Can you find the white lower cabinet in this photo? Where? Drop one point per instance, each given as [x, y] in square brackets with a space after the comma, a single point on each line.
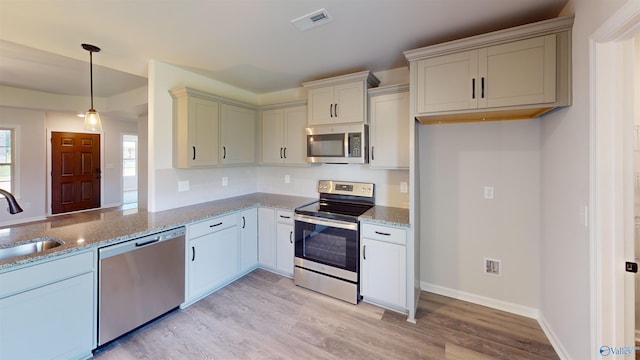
[383, 275]
[48, 310]
[276, 240]
[248, 239]
[284, 242]
[213, 257]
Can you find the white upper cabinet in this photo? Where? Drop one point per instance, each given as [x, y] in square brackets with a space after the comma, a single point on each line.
[209, 130]
[237, 135]
[340, 99]
[389, 127]
[515, 73]
[283, 136]
[195, 129]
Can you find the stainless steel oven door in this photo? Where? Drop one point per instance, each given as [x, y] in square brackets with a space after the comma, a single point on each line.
[327, 241]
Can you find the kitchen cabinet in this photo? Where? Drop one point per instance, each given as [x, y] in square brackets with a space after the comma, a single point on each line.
[383, 276]
[237, 135]
[340, 99]
[276, 240]
[284, 242]
[212, 255]
[267, 238]
[248, 240]
[195, 129]
[283, 136]
[389, 127]
[48, 310]
[509, 74]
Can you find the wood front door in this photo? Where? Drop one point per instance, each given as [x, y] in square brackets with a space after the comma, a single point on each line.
[75, 171]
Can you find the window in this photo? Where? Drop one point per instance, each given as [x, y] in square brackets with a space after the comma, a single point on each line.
[129, 156]
[7, 171]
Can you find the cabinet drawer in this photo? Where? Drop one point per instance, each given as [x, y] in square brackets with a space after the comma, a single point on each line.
[384, 233]
[211, 225]
[284, 217]
[31, 277]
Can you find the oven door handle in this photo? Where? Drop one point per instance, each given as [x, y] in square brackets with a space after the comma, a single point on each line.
[333, 223]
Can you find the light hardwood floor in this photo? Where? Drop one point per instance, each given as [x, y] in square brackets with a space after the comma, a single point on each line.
[265, 316]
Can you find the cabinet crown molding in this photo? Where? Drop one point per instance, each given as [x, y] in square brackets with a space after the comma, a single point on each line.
[540, 28]
[367, 76]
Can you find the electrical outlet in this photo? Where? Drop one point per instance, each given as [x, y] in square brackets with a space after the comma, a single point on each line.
[492, 267]
[225, 181]
[287, 179]
[489, 192]
[404, 187]
[183, 185]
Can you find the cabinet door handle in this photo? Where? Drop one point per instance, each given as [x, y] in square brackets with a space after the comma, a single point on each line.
[335, 110]
[331, 110]
[281, 153]
[372, 153]
[291, 237]
[482, 86]
[194, 153]
[244, 222]
[473, 88]
[285, 153]
[193, 253]
[214, 225]
[224, 152]
[364, 252]
[382, 233]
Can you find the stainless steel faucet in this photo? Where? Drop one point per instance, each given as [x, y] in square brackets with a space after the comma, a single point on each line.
[13, 208]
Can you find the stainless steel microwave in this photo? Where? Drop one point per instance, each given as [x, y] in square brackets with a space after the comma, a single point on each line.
[338, 144]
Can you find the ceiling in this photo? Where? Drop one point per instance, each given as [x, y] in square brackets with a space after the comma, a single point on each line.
[250, 44]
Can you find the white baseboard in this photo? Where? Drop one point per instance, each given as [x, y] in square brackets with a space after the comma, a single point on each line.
[482, 300]
[553, 339]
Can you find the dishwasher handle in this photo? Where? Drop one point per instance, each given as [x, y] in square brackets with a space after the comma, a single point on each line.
[140, 242]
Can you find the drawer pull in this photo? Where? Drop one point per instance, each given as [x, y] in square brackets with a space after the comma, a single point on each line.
[382, 233]
[291, 237]
[214, 225]
[285, 217]
[364, 252]
[193, 251]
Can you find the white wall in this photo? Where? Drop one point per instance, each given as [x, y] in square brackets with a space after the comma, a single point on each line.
[460, 228]
[565, 271]
[31, 164]
[304, 181]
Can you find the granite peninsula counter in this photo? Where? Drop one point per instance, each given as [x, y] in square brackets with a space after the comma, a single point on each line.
[97, 228]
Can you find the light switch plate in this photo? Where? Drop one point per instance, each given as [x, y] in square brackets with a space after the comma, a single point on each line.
[287, 179]
[225, 181]
[489, 192]
[404, 187]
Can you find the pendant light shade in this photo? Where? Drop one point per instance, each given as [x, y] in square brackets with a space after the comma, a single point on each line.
[92, 118]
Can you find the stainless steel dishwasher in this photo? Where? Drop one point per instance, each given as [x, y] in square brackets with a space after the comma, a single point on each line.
[139, 280]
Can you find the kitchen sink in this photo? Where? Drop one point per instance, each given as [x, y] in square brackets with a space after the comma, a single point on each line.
[30, 247]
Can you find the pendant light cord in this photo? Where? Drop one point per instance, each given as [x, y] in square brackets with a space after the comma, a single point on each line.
[91, 75]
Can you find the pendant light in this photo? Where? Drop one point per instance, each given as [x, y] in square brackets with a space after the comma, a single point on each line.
[92, 118]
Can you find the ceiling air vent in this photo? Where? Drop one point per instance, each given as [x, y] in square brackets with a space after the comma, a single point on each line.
[312, 20]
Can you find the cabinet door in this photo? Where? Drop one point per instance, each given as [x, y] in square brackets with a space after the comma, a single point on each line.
[519, 73]
[203, 132]
[50, 322]
[320, 102]
[272, 136]
[213, 260]
[238, 135]
[383, 276]
[295, 152]
[349, 103]
[248, 239]
[447, 83]
[284, 245]
[389, 131]
[267, 237]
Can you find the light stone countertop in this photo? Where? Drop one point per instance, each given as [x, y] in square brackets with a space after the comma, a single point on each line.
[93, 229]
[386, 215]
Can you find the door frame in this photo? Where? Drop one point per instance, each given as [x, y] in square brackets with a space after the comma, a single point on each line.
[49, 211]
[611, 107]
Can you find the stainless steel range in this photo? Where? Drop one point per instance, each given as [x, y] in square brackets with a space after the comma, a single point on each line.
[327, 239]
